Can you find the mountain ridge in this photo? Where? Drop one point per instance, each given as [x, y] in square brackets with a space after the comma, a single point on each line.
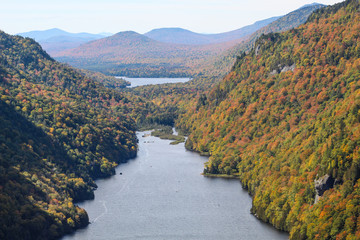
[165, 59]
[133, 54]
[56, 40]
[222, 64]
[184, 36]
[41, 35]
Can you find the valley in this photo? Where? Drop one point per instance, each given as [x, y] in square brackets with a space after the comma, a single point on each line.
[162, 191]
[277, 108]
[164, 52]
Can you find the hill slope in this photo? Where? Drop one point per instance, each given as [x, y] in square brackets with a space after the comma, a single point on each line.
[132, 54]
[222, 63]
[59, 131]
[287, 22]
[28, 184]
[286, 121]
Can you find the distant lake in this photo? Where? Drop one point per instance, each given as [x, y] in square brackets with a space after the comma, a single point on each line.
[161, 195]
[135, 82]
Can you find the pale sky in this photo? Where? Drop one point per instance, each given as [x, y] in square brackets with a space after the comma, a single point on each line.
[95, 16]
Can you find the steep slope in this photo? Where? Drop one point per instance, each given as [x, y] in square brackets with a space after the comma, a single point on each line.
[35, 200]
[287, 22]
[67, 130]
[286, 121]
[132, 54]
[241, 32]
[183, 36]
[221, 64]
[57, 40]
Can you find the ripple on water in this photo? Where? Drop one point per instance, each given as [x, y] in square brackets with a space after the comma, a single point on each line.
[161, 195]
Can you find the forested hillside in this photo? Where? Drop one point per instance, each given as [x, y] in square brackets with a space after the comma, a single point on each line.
[287, 22]
[211, 71]
[35, 193]
[59, 131]
[108, 81]
[221, 64]
[134, 55]
[286, 121]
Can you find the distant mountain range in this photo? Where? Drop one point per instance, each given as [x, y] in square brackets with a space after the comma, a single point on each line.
[166, 52]
[162, 52]
[183, 36]
[45, 35]
[132, 54]
[57, 40]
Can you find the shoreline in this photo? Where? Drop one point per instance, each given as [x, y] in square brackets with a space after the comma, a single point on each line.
[210, 175]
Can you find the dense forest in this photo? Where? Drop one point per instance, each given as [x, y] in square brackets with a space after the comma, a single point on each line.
[286, 122]
[108, 81]
[221, 64]
[60, 130]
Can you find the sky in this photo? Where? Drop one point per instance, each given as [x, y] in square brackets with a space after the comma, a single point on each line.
[112, 16]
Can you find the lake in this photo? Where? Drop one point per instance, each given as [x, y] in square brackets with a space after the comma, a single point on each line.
[135, 82]
[162, 195]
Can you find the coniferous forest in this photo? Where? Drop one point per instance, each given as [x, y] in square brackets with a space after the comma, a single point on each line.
[285, 121]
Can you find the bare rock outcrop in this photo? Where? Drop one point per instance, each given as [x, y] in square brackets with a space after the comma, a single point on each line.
[322, 184]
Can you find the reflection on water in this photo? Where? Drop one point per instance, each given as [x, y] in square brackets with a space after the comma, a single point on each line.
[161, 195]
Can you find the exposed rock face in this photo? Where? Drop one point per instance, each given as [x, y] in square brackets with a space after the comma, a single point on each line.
[288, 68]
[257, 49]
[273, 72]
[282, 69]
[322, 184]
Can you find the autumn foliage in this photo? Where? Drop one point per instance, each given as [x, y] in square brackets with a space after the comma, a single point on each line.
[287, 114]
[59, 131]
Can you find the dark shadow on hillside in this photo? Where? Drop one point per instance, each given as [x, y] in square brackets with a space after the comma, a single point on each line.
[30, 166]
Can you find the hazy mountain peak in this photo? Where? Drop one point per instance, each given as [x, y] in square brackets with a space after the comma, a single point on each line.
[56, 40]
[170, 29]
[312, 5]
[128, 36]
[40, 35]
[183, 36]
[133, 33]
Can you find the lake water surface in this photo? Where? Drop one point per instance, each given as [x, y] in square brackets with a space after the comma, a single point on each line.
[135, 82]
[161, 195]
